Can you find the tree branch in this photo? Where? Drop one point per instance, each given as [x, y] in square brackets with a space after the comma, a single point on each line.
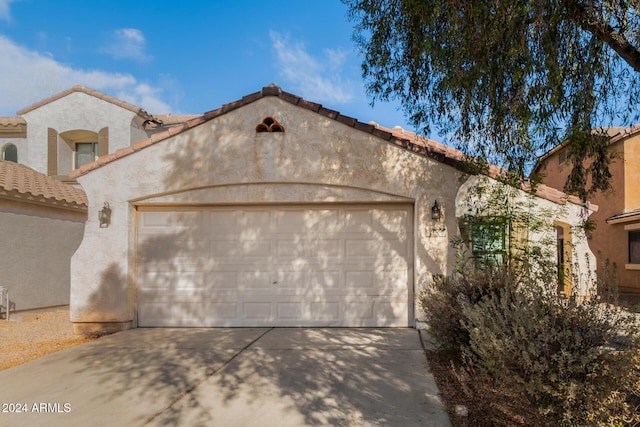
[588, 21]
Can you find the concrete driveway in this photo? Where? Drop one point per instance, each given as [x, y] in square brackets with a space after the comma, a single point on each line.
[228, 377]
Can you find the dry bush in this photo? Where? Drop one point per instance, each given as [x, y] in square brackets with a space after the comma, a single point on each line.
[444, 301]
[577, 362]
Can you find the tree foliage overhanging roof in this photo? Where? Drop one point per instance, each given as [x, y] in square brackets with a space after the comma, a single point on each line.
[508, 79]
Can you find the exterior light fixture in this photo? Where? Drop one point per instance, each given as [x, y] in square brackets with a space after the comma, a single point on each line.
[104, 216]
[436, 211]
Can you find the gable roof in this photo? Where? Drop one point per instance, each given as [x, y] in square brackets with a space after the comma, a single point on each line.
[615, 133]
[398, 136]
[82, 89]
[21, 182]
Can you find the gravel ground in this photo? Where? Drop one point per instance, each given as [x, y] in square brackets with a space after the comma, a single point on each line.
[36, 335]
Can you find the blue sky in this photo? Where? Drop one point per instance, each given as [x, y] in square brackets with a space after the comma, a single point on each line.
[183, 57]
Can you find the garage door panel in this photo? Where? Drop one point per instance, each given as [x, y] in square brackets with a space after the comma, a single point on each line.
[307, 221]
[282, 266]
[225, 248]
[290, 249]
[256, 221]
[254, 280]
[308, 311]
[224, 280]
[360, 310]
[325, 248]
[360, 280]
[328, 280]
[189, 313]
[260, 311]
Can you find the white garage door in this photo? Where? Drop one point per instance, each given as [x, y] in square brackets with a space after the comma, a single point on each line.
[275, 266]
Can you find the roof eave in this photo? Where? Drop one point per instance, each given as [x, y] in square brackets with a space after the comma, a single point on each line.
[43, 201]
[623, 218]
[404, 139]
[91, 92]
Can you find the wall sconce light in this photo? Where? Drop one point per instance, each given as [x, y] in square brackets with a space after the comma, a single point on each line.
[104, 216]
[436, 211]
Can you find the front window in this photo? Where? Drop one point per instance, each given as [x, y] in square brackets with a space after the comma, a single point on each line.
[86, 152]
[634, 247]
[488, 236]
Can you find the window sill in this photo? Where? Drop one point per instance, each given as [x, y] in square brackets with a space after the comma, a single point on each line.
[632, 266]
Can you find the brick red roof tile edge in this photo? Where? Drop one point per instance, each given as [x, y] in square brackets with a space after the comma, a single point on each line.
[397, 136]
[21, 180]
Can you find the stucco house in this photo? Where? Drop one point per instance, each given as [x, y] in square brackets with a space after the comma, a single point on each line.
[275, 211]
[41, 218]
[41, 226]
[616, 238]
[74, 127]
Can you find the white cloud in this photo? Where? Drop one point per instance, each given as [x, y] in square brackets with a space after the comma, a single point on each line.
[31, 76]
[127, 43]
[4, 9]
[143, 94]
[317, 79]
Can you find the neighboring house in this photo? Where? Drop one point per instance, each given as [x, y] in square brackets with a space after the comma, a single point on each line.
[42, 219]
[74, 127]
[275, 211]
[41, 225]
[616, 239]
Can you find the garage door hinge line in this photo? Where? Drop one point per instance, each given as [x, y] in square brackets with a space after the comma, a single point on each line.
[191, 389]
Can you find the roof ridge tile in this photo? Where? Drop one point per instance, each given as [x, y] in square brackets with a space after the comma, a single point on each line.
[401, 137]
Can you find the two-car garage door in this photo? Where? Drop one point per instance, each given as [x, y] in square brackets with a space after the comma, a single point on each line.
[333, 265]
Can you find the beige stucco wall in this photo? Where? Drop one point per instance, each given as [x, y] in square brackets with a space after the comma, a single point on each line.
[40, 241]
[632, 173]
[77, 110]
[19, 142]
[224, 160]
[545, 215]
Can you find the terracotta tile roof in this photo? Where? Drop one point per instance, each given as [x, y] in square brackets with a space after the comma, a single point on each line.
[398, 136]
[91, 92]
[615, 133]
[13, 127]
[12, 122]
[174, 119]
[21, 182]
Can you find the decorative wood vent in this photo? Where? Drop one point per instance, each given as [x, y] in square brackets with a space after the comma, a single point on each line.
[269, 124]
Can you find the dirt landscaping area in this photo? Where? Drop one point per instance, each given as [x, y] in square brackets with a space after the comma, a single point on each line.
[32, 336]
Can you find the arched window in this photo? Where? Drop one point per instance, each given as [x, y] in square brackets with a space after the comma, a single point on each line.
[10, 153]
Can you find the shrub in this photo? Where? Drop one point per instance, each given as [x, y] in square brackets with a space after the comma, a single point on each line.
[444, 300]
[577, 362]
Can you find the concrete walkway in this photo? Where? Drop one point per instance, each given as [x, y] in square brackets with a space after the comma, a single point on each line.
[228, 377]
